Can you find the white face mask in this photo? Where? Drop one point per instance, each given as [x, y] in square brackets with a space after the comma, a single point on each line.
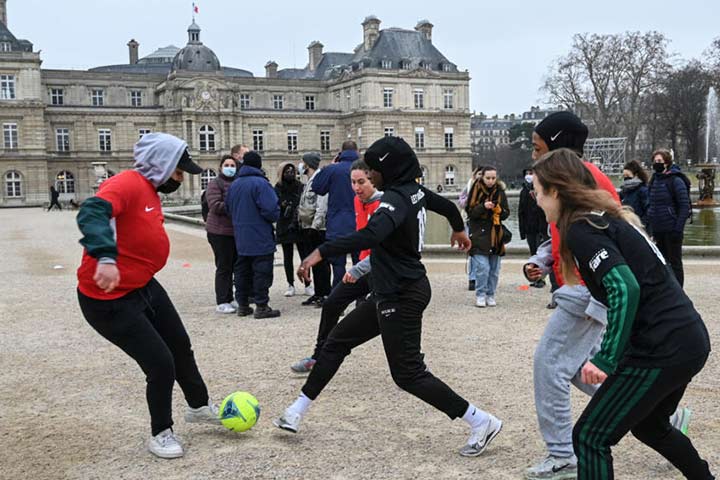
[301, 168]
[528, 178]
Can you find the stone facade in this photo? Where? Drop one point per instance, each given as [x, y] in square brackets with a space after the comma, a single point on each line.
[68, 120]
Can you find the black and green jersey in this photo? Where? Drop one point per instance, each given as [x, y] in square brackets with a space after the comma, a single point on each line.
[651, 321]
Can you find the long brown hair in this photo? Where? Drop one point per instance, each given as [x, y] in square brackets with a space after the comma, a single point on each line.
[637, 170]
[564, 172]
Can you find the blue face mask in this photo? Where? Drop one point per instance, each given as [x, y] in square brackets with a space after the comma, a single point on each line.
[228, 171]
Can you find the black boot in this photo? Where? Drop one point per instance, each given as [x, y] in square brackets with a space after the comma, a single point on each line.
[264, 311]
[244, 310]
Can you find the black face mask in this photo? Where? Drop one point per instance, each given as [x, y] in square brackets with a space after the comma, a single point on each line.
[169, 187]
[659, 167]
[627, 178]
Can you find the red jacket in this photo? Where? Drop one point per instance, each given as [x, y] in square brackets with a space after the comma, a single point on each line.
[603, 182]
[362, 215]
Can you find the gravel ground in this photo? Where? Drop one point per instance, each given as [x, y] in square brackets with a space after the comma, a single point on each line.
[73, 406]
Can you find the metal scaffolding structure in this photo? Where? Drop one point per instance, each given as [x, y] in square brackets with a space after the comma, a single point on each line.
[606, 153]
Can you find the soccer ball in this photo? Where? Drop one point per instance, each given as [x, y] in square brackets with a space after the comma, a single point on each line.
[239, 411]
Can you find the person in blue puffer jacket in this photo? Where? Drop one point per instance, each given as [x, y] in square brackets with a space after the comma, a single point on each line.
[334, 180]
[669, 209]
[253, 206]
[634, 191]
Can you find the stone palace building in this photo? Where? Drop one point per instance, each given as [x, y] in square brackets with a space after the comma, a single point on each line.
[70, 127]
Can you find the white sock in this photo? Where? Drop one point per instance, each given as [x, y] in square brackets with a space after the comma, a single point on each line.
[300, 405]
[475, 417]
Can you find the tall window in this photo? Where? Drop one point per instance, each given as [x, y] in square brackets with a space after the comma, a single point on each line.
[448, 98]
[405, 64]
[325, 140]
[309, 102]
[5, 47]
[386, 64]
[292, 138]
[419, 95]
[105, 139]
[244, 101]
[7, 87]
[207, 176]
[207, 138]
[57, 96]
[62, 139]
[446, 67]
[424, 177]
[449, 175]
[136, 98]
[13, 184]
[389, 131]
[258, 140]
[98, 98]
[419, 137]
[427, 66]
[10, 136]
[387, 97]
[449, 137]
[65, 182]
[142, 132]
[278, 102]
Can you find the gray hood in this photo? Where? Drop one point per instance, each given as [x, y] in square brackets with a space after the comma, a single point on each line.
[157, 156]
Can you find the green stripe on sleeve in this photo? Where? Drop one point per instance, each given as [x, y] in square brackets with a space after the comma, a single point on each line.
[623, 296]
[93, 219]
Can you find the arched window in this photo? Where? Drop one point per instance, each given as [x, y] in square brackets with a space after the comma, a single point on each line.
[13, 184]
[424, 177]
[65, 182]
[206, 177]
[207, 138]
[449, 175]
[108, 173]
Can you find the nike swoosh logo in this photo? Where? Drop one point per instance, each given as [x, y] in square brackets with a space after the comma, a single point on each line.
[557, 469]
[552, 139]
[149, 209]
[384, 157]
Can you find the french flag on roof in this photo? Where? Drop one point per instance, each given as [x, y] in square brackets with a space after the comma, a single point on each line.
[196, 9]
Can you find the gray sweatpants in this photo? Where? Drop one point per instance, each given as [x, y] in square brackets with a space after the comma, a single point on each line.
[572, 336]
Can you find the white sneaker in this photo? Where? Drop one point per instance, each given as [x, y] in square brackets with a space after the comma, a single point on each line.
[165, 445]
[290, 292]
[225, 308]
[289, 421]
[309, 291]
[491, 302]
[207, 414]
[234, 304]
[480, 438]
[553, 468]
[480, 301]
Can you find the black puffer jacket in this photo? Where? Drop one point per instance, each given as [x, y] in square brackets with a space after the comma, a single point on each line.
[531, 217]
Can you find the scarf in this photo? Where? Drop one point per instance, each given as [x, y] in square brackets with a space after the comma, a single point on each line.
[479, 194]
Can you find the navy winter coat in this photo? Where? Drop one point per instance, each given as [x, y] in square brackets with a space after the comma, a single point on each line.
[638, 198]
[335, 181]
[669, 202]
[253, 205]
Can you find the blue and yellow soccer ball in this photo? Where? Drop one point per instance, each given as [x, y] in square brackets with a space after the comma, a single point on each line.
[239, 411]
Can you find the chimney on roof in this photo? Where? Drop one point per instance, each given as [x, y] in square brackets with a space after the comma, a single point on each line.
[271, 69]
[371, 31]
[315, 52]
[133, 51]
[425, 27]
[3, 11]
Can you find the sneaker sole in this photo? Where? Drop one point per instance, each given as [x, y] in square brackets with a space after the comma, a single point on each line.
[284, 427]
[487, 443]
[166, 456]
[556, 476]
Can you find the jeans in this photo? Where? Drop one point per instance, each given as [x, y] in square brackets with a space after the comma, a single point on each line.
[223, 247]
[146, 326]
[398, 321]
[253, 278]
[487, 274]
[670, 245]
[338, 266]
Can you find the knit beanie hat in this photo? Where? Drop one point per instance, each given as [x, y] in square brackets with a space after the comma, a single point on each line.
[252, 159]
[312, 160]
[563, 130]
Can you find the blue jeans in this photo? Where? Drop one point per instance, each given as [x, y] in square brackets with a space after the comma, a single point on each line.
[486, 269]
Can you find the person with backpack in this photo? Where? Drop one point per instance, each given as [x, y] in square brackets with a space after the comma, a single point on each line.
[670, 208]
[220, 234]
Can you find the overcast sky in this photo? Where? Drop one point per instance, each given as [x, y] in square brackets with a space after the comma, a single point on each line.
[506, 45]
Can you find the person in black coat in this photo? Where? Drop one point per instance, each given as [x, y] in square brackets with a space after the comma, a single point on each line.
[289, 189]
[54, 197]
[531, 219]
[634, 191]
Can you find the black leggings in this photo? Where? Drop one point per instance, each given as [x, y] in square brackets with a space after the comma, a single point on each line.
[399, 323]
[146, 326]
[225, 252]
[637, 400]
[670, 245]
[288, 252]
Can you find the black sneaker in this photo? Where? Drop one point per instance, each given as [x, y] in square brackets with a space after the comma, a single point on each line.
[319, 301]
[471, 285]
[244, 310]
[264, 311]
[539, 284]
[310, 300]
[552, 305]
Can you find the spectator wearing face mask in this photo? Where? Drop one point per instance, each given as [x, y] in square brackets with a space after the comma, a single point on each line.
[634, 190]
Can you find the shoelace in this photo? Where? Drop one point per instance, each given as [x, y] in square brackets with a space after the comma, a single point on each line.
[166, 439]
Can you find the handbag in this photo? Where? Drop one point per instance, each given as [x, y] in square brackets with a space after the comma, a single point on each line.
[507, 234]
